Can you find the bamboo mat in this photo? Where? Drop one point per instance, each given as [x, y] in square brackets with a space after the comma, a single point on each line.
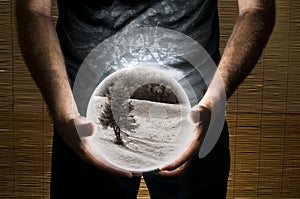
[263, 116]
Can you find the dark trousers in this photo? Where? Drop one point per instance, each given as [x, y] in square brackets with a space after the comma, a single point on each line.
[205, 178]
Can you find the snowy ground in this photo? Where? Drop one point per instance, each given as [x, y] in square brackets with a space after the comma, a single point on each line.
[162, 134]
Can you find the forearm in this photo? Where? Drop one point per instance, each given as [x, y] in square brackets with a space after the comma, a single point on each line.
[43, 56]
[244, 47]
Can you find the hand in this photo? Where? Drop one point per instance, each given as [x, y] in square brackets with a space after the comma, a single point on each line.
[75, 133]
[200, 116]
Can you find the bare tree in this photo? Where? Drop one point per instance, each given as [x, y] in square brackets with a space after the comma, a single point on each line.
[120, 117]
[107, 120]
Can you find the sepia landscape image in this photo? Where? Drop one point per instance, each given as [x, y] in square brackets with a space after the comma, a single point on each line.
[141, 119]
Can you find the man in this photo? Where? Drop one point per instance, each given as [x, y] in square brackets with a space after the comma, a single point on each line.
[53, 58]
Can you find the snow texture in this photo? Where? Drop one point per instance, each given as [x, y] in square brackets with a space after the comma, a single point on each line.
[162, 133]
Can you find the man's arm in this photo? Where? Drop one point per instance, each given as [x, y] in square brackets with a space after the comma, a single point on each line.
[42, 53]
[43, 56]
[250, 34]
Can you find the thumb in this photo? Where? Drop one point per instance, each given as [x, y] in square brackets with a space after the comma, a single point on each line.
[84, 128]
[194, 115]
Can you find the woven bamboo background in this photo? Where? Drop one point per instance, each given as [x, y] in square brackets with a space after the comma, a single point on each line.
[263, 116]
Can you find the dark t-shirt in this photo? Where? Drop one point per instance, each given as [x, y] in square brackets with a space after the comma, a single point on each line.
[83, 24]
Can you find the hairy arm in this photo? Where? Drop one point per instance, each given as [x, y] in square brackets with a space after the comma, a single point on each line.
[250, 34]
[41, 51]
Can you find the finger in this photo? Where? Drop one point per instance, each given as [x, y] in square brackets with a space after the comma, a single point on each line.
[171, 173]
[194, 115]
[84, 128]
[199, 114]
